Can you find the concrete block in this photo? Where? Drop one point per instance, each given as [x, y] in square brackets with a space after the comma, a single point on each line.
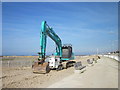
[80, 71]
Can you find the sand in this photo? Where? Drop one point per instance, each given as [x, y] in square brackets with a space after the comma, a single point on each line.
[103, 74]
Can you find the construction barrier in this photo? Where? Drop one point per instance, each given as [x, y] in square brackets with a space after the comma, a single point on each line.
[113, 57]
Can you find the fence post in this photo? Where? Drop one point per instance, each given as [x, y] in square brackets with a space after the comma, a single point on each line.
[8, 63]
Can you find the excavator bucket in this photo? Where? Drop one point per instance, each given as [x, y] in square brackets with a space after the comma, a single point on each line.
[41, 68]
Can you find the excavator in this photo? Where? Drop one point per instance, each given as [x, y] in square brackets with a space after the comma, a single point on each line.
[61, 59]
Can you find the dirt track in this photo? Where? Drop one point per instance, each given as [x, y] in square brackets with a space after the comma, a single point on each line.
[103, 74]
[22, 77]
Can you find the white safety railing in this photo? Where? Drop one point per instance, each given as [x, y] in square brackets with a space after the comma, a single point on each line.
[113, 57]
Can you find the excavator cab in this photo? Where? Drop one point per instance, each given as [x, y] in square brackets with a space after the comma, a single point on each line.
[56, 62]
[67, 53]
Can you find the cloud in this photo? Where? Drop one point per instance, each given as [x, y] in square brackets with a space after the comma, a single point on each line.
[112, 32]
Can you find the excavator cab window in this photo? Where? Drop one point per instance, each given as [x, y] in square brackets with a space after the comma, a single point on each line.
[66, 51]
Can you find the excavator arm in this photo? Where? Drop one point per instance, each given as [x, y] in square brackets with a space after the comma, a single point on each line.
[47, 31]
[41, 66]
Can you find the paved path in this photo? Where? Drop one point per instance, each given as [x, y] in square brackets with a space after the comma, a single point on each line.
[103, 74]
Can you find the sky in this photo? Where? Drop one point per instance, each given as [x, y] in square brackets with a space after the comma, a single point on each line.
[88, 26]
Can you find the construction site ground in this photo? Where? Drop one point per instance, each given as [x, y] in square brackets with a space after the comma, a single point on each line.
[103, 74]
